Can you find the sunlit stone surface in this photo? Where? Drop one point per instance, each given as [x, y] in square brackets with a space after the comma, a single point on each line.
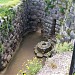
[57, 65]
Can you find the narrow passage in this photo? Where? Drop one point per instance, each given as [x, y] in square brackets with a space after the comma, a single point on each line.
[25, 52]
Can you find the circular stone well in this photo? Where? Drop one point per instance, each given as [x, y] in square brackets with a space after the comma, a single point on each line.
[43, 48]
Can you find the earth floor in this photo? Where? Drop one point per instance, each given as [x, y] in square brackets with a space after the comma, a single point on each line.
[26, 51]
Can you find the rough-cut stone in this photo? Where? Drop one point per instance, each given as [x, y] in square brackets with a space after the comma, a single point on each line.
[5, 57]
[5, 64]
[47, 54]
[39, 55]
[36, 51]
[8, 58]
[31, 13]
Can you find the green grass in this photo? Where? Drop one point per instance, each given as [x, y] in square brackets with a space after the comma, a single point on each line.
[4, 1]
[6, 4]
[63, 47]
[9, 2]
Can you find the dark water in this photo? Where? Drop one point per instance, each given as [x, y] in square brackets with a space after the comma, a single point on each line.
[26, 51]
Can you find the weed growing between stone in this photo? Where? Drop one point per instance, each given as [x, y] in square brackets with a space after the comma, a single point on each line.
[1, 48]
[8, 10]
[6, 26]
[7, 15]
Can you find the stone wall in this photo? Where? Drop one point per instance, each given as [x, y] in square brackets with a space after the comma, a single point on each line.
[50, 21]
[35, 13]
[20, 28]
[30, 15]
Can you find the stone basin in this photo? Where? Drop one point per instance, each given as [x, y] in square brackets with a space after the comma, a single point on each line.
[44, 47]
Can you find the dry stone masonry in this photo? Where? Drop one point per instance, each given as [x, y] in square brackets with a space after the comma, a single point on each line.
[31, 14]
[50, 19]
[9, 42]
[19, 28]
[56, 19]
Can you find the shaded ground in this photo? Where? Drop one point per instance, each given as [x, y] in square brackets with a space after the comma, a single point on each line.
[25, 52]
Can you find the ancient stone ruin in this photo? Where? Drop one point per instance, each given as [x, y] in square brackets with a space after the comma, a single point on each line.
[43, 49]
[30, 15]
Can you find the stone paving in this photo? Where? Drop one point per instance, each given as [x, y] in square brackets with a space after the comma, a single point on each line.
[57, 65]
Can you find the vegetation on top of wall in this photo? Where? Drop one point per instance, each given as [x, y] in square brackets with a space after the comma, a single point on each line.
[7, 15]
[63, 47]
[68, 4]
[6, 18]
[49, 5]
[9, 2]
[1, 47]
[6, 5]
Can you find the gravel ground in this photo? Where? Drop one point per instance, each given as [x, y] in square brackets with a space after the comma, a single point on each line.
[57, 65]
